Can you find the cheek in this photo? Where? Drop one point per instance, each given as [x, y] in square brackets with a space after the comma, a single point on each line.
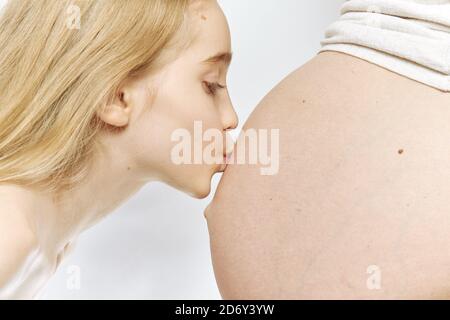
[167, 115]
[173, 108]
[156, 151]
[195, 107]
[152, 141]
[184, 100]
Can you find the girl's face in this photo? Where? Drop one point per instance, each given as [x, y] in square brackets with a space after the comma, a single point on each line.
[186, 93]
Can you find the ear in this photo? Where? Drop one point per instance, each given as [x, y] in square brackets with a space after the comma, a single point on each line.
[118, 111]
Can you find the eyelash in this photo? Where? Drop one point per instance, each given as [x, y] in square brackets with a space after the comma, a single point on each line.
[212, 88]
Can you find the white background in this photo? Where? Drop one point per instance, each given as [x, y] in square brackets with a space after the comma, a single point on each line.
[156, 246]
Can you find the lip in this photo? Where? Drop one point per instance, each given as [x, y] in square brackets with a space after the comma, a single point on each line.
[224, 164]
[222, 167]
[226, 160]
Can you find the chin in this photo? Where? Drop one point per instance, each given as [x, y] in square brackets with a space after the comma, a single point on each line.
[202, 189]
[201, 195]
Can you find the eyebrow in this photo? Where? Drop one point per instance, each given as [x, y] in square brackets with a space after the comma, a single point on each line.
[224, 57]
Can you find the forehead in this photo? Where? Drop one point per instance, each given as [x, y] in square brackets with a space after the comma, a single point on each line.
[207, 27]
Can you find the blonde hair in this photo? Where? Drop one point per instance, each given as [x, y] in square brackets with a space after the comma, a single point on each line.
[53, 77]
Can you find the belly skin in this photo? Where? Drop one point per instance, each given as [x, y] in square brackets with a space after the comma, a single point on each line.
[360, 207]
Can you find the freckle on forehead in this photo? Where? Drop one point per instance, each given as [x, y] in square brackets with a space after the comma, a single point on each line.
[198, 7]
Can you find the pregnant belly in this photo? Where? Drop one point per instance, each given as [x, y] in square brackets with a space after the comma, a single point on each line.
[359, 207]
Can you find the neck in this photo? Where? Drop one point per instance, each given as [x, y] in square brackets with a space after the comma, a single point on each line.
[110, 181]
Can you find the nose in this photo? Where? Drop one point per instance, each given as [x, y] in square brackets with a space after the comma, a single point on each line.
[229, 117]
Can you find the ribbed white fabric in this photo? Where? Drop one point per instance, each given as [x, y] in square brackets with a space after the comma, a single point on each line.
[409, 37]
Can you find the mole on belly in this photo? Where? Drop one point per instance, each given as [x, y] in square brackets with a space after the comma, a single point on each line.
[400, 151]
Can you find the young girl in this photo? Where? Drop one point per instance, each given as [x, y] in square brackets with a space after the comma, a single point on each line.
[92, 92]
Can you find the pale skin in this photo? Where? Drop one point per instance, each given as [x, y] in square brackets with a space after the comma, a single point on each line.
[362, 193]
[37, 228]
[363, 180]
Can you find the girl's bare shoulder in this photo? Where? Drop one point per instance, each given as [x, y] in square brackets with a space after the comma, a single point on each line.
[18, 241]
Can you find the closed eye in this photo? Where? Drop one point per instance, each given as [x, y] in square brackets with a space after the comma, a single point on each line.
[211, 88]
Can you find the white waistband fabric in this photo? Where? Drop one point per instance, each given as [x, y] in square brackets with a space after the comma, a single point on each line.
[409, 37]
